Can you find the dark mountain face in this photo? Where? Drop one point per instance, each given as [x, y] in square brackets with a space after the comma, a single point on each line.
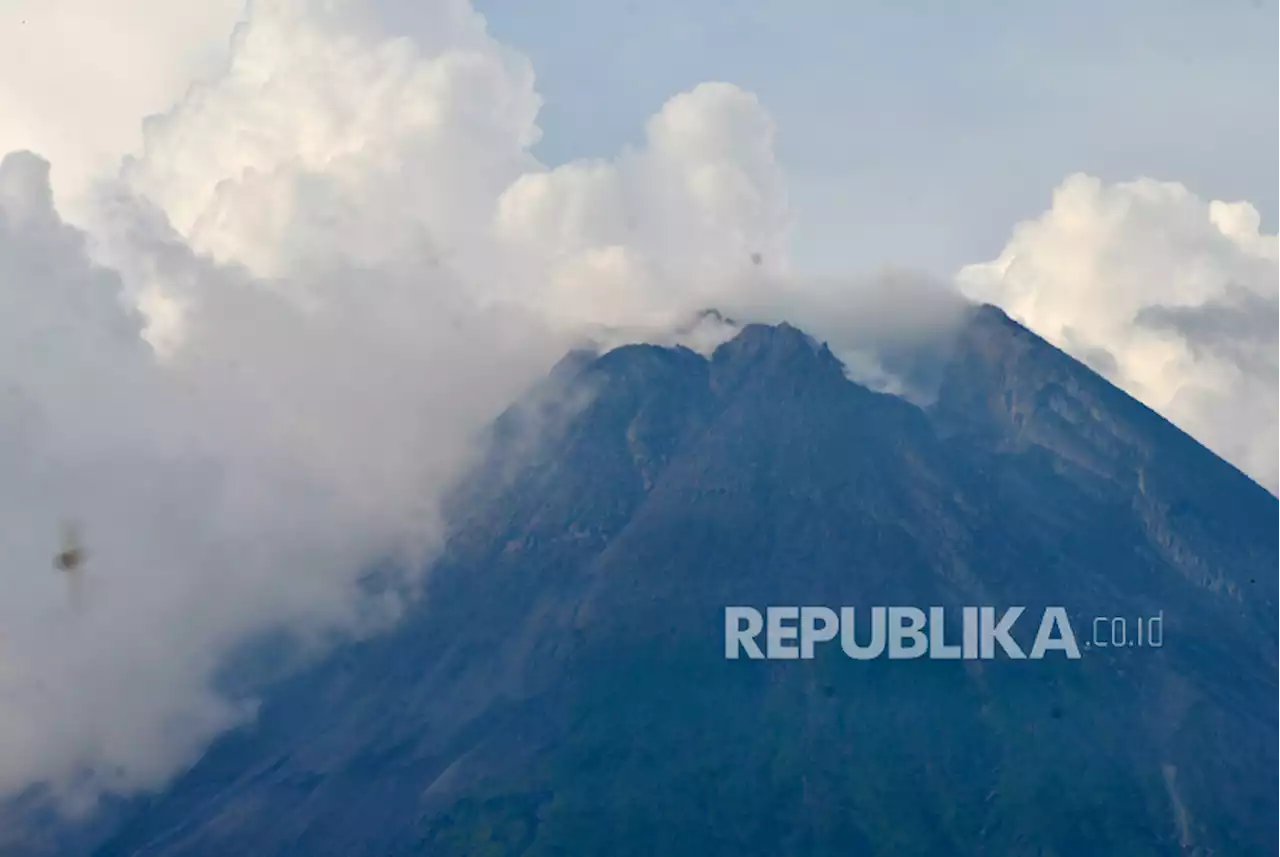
[562, 688]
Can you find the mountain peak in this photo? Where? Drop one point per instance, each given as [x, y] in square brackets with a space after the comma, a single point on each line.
[561, 688]
[768, 352]
[783, 334]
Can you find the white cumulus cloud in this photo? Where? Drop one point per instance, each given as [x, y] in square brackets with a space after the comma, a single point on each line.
[681, 224]
[249, 375]
[1171, 296]
[77, 77]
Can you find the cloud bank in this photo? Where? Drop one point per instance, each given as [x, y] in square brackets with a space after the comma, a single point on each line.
[254, 375]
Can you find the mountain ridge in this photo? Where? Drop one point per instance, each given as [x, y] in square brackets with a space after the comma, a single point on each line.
[561, 688]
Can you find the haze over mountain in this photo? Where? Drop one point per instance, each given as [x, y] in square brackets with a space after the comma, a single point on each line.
[561, 688]
[247, 344]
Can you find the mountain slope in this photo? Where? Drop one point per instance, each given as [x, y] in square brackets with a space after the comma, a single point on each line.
[562, 688]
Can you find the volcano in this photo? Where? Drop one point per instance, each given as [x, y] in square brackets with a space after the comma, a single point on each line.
[561, 686]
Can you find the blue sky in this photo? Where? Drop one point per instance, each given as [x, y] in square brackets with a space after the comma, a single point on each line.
[918, 134]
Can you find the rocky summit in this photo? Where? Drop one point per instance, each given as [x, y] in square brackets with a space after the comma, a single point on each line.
[561, 686]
